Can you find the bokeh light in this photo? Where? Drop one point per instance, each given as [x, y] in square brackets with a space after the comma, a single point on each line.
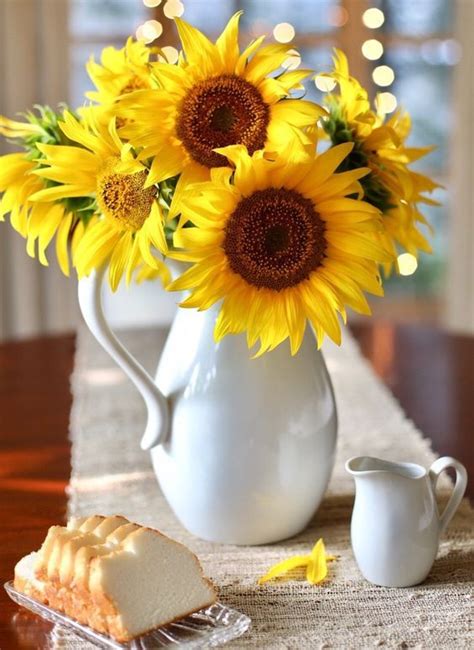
[338, 16]
[373, 18]
[150, 30]
[407, 264]
[284, 32]
[293, 61]
[451, 51]
[151, 3]
[139, 33]
[173, 9]
[170, 53]
[438, 52]
[431, 51]
[372, 49]
[325, 84]
[383, 75]
[386, 102]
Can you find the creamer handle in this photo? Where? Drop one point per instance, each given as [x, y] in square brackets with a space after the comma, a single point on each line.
[90, 302]
[459, 487]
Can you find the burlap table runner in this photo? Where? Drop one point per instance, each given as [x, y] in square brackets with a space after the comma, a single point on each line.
[110, 474]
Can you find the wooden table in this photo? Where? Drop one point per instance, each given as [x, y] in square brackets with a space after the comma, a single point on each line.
[429, 371]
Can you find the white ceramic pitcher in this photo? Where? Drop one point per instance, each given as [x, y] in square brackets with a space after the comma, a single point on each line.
[242, 448]
[396, 525]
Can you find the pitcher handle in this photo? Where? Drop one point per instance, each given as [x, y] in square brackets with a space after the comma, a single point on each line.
[90, 302]
[459, 487]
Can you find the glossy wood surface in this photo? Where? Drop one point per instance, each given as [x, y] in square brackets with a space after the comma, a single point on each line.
[430, 372]
[34, 465]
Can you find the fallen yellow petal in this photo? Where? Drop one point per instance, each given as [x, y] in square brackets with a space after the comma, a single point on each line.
[315, 563]
[285, 566]
[317, 567]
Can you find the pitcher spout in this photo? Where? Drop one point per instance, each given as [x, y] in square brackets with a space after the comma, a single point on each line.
[366, 465]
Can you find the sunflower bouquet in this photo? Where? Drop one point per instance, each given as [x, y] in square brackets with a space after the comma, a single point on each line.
[283, 212]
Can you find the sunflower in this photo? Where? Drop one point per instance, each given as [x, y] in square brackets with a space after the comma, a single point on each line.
[214, 97]
[38, 223]
[128, 219]
[379, 143]
[279, 243]
[120, 71]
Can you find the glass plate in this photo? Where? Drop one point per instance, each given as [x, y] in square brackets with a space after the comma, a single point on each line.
[213, 626]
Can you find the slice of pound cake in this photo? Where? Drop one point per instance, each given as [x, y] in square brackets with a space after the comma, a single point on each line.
[117, 577]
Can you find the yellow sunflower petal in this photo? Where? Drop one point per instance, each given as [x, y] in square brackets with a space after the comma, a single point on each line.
[298, 112]
[247, 53]
[95, 247]
[151, 273]
[266, 60]
[197, 273]
[296, 320]
[119, 259]
[134, 261]
[78, 132]
[284, 567]
[317, 568]
[154, 229]
[193, 237]
[62, 243]
[165, 165]
[228, 44]
[43, 222]
[197, 47]
[360, 244]
[13, 129]
[344, 182]
[191, 174]
[60, 192]
[77, 235]
[12, 167]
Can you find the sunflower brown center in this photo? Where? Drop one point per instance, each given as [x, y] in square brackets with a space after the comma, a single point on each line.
[122, 197]
[275, 239]
[221, 111]
[134, 83]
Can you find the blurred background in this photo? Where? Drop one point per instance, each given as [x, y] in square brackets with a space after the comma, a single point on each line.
[417, 53]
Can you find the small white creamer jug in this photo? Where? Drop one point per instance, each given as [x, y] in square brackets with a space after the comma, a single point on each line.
[396, 525]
